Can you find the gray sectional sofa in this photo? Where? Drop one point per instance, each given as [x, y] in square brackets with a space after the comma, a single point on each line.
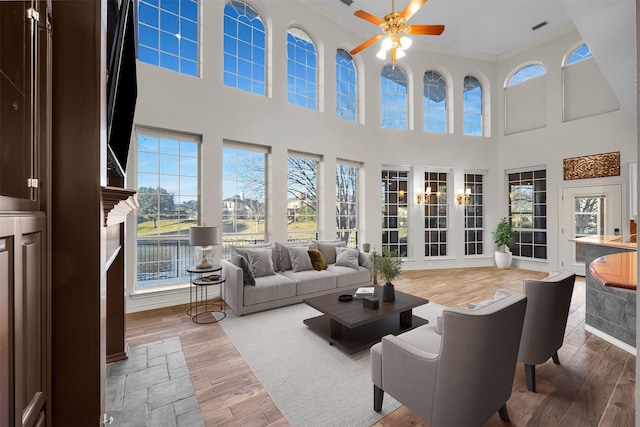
[255, 283]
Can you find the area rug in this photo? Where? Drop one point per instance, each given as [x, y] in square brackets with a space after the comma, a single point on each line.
[312, 383]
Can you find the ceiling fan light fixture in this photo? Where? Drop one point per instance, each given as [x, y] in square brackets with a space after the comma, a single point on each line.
[405, 42]
[400, 53]
[387, 44]
[382, 54]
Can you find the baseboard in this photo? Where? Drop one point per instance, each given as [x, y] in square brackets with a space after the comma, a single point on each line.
[623, 345]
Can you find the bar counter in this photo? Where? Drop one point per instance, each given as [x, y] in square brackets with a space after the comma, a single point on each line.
[616, 270]
[611, 310]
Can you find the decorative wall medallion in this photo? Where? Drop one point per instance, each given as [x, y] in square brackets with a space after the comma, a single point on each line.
[595, 166]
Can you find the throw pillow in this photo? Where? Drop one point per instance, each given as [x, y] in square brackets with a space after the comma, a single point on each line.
[242, 250]
[317, 260]
[260, 262]
[347, 257]
[282, 250]
[300, 260]
[247, 276]
[329, 250]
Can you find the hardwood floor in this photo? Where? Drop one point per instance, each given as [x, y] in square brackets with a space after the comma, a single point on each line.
[593, 386]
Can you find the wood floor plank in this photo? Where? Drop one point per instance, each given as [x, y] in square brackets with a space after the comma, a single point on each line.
[595, 383]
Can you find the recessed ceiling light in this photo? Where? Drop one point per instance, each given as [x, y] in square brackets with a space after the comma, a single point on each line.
[540, 25]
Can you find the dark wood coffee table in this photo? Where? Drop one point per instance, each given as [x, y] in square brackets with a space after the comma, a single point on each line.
[354, 327]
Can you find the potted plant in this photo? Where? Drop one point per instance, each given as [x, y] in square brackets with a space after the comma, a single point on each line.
[505, 237]
[388, 267]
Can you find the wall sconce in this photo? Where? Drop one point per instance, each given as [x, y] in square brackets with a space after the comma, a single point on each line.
[463, 197]
[423, 197]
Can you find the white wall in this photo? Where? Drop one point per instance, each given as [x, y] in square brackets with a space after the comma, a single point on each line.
[203, 106]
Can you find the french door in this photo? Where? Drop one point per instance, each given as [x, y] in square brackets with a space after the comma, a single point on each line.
[587, 211]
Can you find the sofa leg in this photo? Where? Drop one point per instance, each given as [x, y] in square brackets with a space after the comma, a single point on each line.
[555, 358]
[504, 415]
[530, 374]
[378, 395]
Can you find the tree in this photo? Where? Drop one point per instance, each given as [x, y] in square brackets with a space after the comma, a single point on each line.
[154, 203]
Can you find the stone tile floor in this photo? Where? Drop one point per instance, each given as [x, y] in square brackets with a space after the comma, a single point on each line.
[152, 388]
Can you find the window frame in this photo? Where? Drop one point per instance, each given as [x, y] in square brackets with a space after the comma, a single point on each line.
[395, 121]
[468, 112]
[293, 199]
[230, 71]
[395, 193]
[350, 94]
[428, 108]
[435, 212]
[532, 239]
[474, 230]
[258, 191]
[352, 207]
[164, 25]
[183, 258]
[300, 41]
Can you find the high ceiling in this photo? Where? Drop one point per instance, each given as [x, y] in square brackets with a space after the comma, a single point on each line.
[492, 27]
[500, 27]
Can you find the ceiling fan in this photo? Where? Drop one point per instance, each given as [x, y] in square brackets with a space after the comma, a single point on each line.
[394, 30]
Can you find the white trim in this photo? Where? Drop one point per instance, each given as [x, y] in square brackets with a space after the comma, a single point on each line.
[597, 332]
[238, 145]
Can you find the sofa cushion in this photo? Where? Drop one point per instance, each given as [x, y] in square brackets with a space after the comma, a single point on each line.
[300, 260]
[310, 281]
[269, 288]
[242, 250]
[347, 257]
[328, 250]
[347, 276]
[261, 262]
[282, 253]
[247, 276]
[317, 259]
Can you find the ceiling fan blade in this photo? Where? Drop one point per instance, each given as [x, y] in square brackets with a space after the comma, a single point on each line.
[425, 30]
[412, 8]
[366, 44]
[368, 17]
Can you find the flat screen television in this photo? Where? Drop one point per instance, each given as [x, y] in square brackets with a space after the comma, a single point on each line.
[122, 85]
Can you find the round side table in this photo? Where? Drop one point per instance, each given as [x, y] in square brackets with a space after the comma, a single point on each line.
[200, 309]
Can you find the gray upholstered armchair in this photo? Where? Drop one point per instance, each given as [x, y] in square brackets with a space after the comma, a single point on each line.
[548, 302]
[458, 374]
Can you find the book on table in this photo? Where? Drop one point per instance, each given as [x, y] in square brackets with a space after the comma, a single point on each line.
[364, 292]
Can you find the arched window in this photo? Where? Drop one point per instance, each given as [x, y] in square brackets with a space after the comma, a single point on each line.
[435, 102]
[168, 35]
[244, 48]
[472, 106]
[301, 69]
[582, 52]
[393, 102]
[346, 101]
[527, 72]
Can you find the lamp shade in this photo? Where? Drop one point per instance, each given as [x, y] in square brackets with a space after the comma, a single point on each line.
[204, 236]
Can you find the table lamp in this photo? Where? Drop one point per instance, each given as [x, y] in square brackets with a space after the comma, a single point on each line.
[203, 239]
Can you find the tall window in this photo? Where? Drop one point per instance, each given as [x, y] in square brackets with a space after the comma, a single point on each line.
[474, 215]
[243, 195]
[472, 105]
[527, 72]
[301, 69]
[347, 202]
[528, 212]
[346, 101]
[581, 53]
[395, 225]
[168, 34]
[244, 48]
[302, 196]
[393, 90]
[435, 102]
[435, 214]
[167, 176]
